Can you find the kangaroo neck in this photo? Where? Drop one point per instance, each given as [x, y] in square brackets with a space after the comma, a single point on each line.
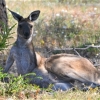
[24, 43]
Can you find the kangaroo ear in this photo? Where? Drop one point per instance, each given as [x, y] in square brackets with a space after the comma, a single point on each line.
[34, 15]
[16, 16]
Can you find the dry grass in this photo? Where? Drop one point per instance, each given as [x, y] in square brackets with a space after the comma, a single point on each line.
[59, 95]
[84, 17]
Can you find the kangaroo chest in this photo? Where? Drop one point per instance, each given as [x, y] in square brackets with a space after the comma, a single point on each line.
[24, 59]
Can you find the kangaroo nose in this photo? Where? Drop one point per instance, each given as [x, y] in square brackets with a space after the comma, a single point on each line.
[26, 34]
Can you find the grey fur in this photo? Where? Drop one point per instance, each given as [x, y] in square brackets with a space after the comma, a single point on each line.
[22, 52]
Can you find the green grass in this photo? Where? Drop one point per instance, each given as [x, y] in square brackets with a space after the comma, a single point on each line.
[18, 88]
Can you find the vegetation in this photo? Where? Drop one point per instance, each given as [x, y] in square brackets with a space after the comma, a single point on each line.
[18, 88]
[5, 35]
[62, 23]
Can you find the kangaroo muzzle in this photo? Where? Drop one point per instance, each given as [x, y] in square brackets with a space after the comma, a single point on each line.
[26, 35]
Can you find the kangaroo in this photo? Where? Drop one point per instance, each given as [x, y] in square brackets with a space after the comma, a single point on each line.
[71, 70]
[22, 52]
[61, 70]
[27, 61]
[73, 66]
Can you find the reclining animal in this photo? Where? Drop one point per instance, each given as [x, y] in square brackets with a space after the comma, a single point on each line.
[61, 70]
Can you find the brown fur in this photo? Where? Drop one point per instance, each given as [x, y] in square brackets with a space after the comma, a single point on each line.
[72, 66]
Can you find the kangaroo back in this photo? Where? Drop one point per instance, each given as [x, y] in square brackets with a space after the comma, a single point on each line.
[75, 67]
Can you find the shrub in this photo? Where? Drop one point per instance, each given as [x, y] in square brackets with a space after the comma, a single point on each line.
[4, 36]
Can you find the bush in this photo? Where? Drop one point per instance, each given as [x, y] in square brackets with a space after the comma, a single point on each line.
[4, 36]
[59, 30]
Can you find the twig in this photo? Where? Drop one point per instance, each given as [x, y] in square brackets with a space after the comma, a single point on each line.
[76, 52]
[88, 46]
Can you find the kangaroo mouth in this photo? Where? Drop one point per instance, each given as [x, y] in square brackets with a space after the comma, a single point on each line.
[26, 37]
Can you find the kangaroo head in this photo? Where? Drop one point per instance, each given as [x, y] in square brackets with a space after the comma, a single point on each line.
[25, 25]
